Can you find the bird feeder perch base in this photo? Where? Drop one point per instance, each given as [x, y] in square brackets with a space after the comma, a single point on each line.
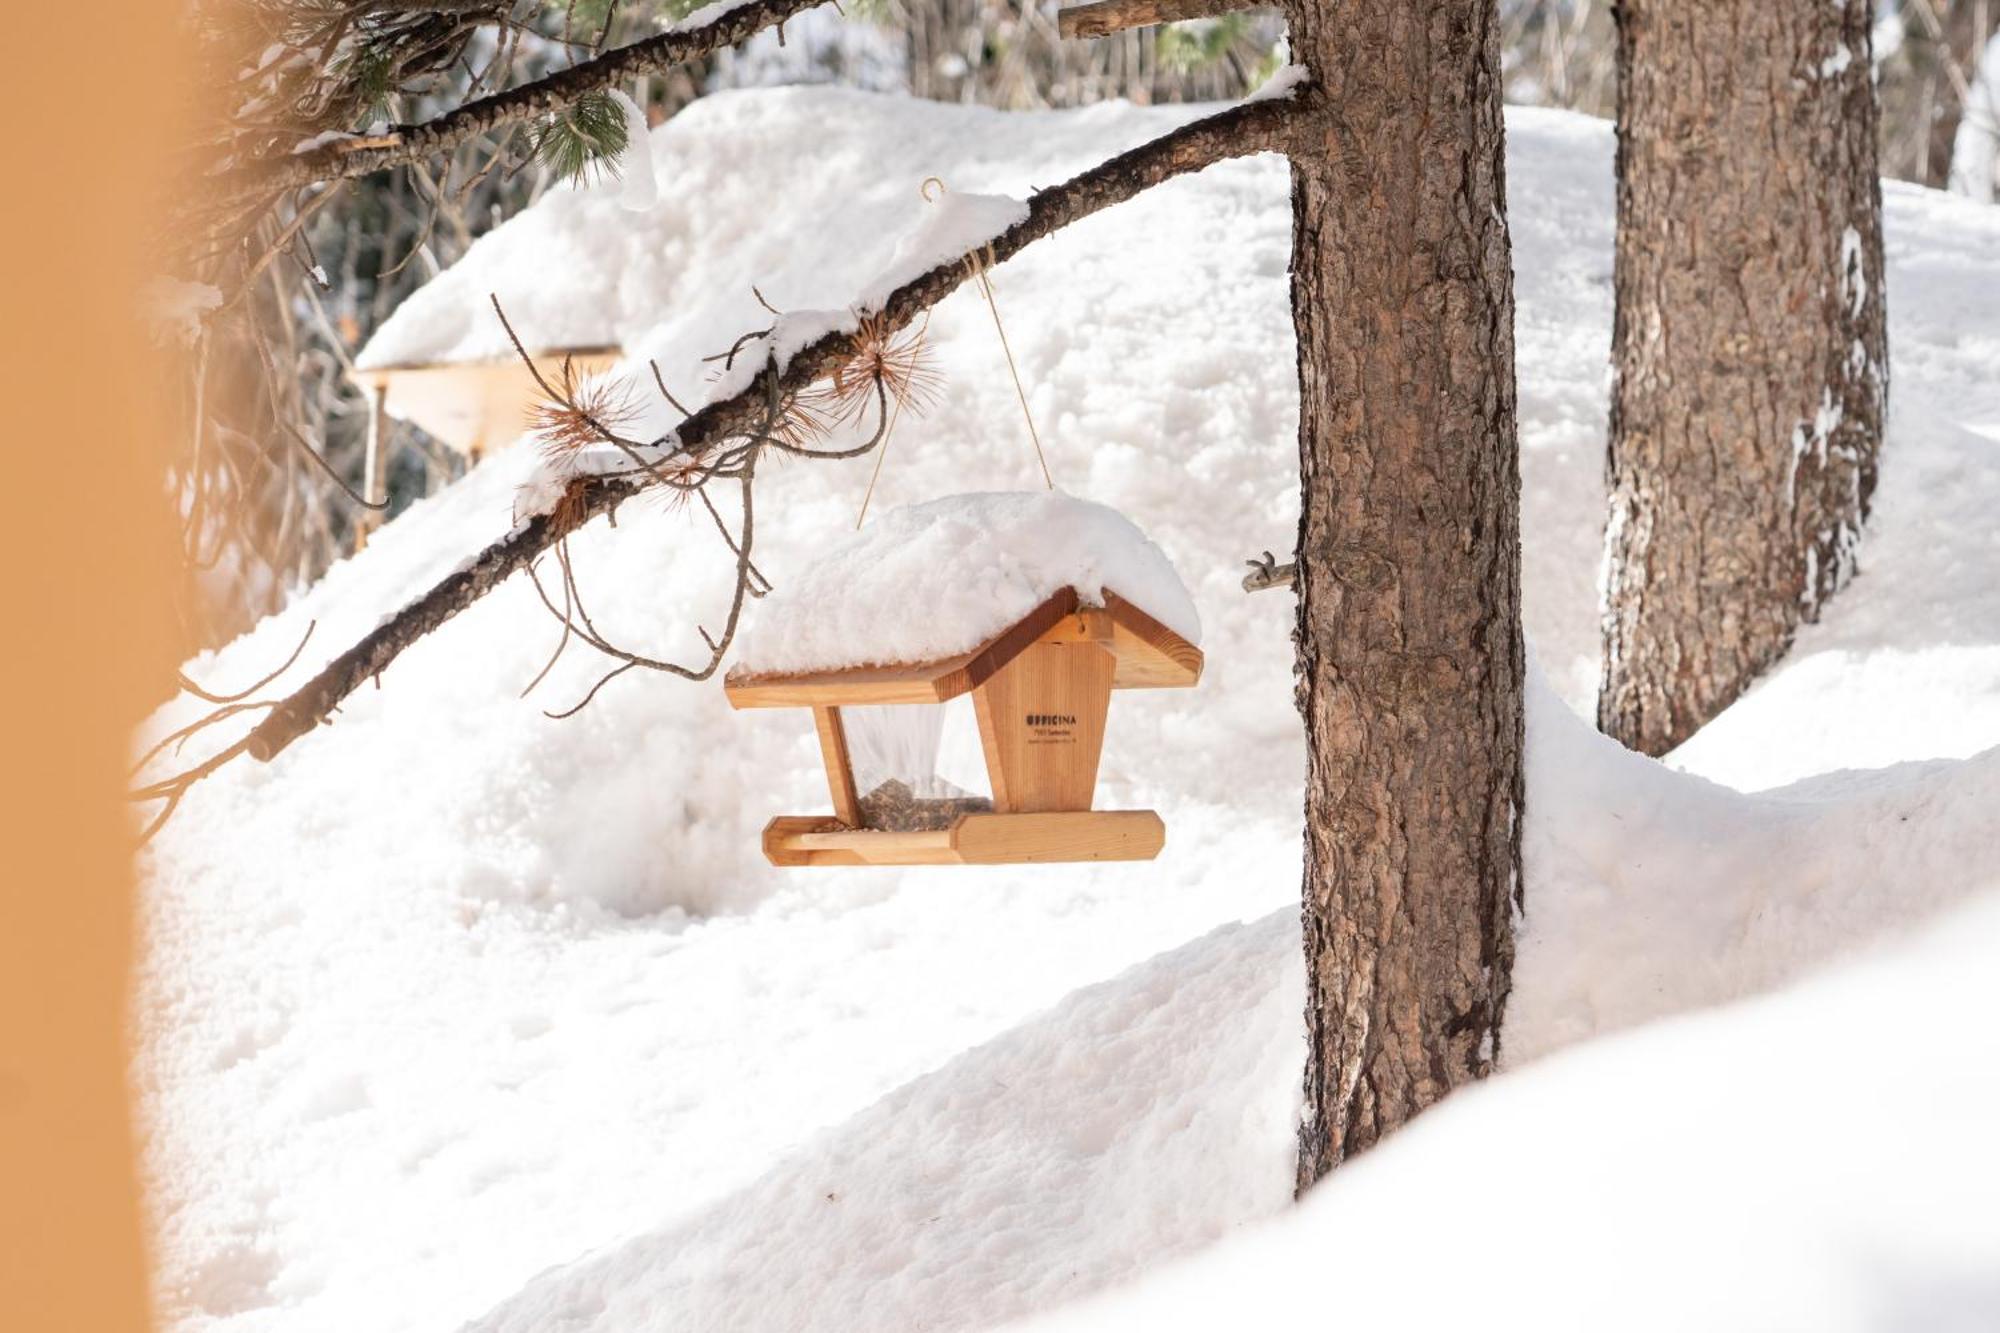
[972, 840]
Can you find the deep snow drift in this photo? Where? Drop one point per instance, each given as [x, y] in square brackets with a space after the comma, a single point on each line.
[1144, 1117]
[452, 993]
[1821, 1159]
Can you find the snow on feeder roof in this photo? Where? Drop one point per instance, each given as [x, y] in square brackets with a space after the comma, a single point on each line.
[1036, 606]
[934, 580]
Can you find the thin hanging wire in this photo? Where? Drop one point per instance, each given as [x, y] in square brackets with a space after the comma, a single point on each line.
[981, 263]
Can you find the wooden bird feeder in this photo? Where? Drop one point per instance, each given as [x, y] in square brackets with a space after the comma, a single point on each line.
[1040, 691]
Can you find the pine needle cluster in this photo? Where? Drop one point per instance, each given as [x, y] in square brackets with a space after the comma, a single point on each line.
[584, 139]
[581, 414]
[897, 361]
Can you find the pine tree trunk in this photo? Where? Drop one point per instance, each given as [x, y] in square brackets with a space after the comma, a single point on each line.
[1409, 639]
[1749, 347]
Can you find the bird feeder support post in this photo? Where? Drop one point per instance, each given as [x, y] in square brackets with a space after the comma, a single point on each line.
[839, 764]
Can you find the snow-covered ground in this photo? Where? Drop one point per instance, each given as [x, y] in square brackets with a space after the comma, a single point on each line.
[1820, 1159]
[451, 993]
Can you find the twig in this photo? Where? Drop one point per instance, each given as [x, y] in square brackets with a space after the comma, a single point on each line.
[210, 696]
[1268, 573]
[1105, 17]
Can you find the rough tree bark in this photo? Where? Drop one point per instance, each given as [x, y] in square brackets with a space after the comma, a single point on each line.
[1749, 347]
[1409, 640]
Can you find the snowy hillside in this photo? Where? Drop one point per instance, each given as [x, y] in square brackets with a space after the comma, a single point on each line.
[452, 993]
[1820, 1159]
[1146, 1116]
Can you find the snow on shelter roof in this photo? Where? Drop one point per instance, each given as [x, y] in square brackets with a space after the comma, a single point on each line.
[938, 580]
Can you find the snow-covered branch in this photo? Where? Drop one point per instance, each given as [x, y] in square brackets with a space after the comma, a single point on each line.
[1248, 128]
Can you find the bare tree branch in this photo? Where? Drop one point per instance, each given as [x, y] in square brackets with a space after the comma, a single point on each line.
[1105, 17]
[1242, 130]
[1268, 573]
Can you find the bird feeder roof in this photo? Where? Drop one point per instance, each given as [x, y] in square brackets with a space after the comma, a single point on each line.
[1150, 656]
[930, 601]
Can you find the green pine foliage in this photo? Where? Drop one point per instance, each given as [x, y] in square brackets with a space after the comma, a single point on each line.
[584, 139]
[369, 73]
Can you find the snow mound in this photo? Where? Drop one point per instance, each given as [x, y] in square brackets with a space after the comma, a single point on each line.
[1136, 1120]
[1820, 1159]
[1651, 892]
[1145, 1117]
[933, 580]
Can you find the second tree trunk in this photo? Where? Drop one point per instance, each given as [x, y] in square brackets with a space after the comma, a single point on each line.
[1749, 348]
